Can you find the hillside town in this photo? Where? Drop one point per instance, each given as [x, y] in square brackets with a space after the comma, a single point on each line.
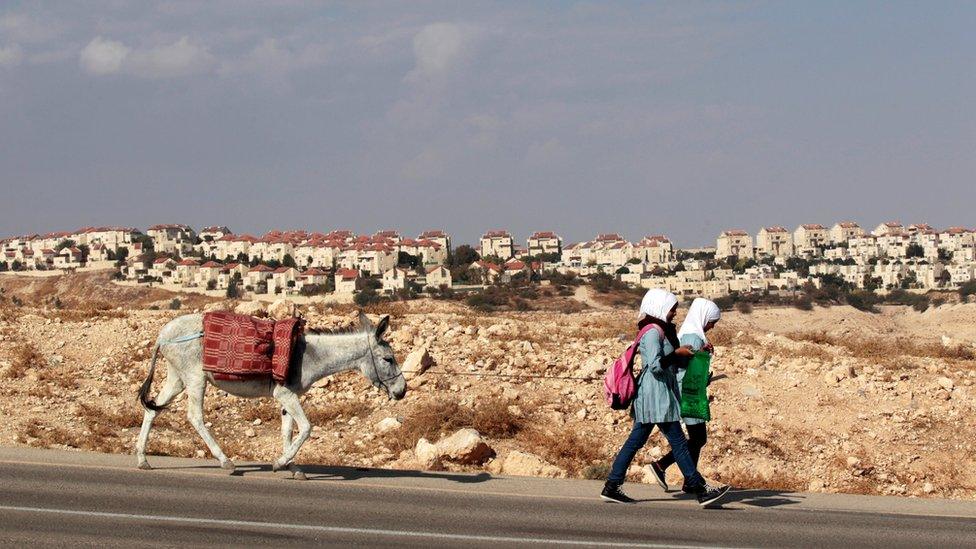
[889, 256]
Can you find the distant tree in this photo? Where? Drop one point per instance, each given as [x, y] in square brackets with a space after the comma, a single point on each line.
[407, 260]
[945, 256]
[967, 289]
[622, 271]
[366, 297]
[798, 264]
[289, 261]
[914, 250]
[175, 304]
[145, 240]
[211, 284]
[463, 255]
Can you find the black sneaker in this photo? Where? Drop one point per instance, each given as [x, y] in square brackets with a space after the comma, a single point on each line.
[613, 493]
[708, 495]
[687, 489]
[659, 475]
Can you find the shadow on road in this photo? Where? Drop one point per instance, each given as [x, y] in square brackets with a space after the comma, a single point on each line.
[761, 498]
[327, 472]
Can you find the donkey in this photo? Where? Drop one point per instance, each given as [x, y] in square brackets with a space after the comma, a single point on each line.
[181, 344]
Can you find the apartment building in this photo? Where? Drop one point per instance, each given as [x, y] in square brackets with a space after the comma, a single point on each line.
[774, 241]
[734, 243]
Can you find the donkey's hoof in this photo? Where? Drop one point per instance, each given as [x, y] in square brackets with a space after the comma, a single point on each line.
[278, 466]
[297, 473]
[227, 465]
[144, 465]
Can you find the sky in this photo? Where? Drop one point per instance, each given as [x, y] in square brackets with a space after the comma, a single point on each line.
[680, 118]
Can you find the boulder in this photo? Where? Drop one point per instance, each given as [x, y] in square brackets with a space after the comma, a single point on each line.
[281, 309]
[427, 454]
[388, 424]
[529, 465]
[593, 367]
[416, 363]
[252, 308]
[945, 383]
[464, 446]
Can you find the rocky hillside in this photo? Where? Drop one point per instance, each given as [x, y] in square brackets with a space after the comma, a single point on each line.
[829, 400]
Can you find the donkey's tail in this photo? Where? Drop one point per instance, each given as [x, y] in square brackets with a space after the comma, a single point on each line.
[144, 399]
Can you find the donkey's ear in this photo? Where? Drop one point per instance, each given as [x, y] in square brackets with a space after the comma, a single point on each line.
[382, 326]
[365, 322]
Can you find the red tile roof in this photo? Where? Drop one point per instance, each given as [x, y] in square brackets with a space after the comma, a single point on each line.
[497, 234]
[189, 263]
[348, 274]
[260, 269]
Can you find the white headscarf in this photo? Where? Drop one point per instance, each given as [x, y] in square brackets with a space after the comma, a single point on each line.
[657, 303]
[701, 312]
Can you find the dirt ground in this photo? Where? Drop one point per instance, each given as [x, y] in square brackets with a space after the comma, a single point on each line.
[832, 400]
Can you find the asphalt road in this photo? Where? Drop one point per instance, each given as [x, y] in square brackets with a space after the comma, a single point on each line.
[54, 498]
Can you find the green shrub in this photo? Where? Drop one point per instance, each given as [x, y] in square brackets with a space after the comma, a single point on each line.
[863, 300]
[967, 289]
[803, 303]
[175, 304]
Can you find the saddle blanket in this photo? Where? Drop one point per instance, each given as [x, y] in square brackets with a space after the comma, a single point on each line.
[241, 347]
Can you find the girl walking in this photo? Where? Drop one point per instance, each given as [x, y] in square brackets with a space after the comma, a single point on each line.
[657, 401]
[703, 315]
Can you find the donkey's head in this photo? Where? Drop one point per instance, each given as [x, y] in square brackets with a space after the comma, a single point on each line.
[381, 367]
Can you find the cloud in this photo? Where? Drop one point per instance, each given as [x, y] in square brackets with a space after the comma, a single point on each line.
[24, 29]
[273, 57]
[426, 165]
[438, 48]
[181, 58]
[103, 56]
[11, 56]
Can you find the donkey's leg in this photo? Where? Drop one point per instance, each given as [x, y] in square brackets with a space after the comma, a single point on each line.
[195, 389]
[287, 426]
[172, 388]
[293, 406]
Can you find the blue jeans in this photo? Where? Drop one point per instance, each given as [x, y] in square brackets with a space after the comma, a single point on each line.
[638, 437]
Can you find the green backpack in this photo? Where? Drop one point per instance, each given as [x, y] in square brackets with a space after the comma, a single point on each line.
[694, 396]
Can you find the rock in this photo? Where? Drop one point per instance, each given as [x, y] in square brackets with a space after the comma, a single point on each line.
[416, 363]
[201, 454]
[252, 308]
[853, 462]
[593, 367]
[464, 446]
[928, 488]
[256, 422]
[282, 308]
[388, 424]
[945, 383]
[426, 454]
[249, 432]
[816, 486]
[525, 464]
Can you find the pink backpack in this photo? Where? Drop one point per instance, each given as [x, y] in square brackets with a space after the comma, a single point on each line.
[619, 385]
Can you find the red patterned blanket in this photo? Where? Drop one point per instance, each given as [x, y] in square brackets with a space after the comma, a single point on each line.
[239, 347]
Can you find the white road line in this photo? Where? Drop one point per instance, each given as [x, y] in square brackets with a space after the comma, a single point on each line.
[343, 530]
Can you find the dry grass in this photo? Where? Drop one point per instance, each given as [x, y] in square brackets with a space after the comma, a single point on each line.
[570, 448]
[875, 348]
[491, 417]
[745, 477]
[344, 410]
[264, 409]
[24, 357]
[96, 311]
